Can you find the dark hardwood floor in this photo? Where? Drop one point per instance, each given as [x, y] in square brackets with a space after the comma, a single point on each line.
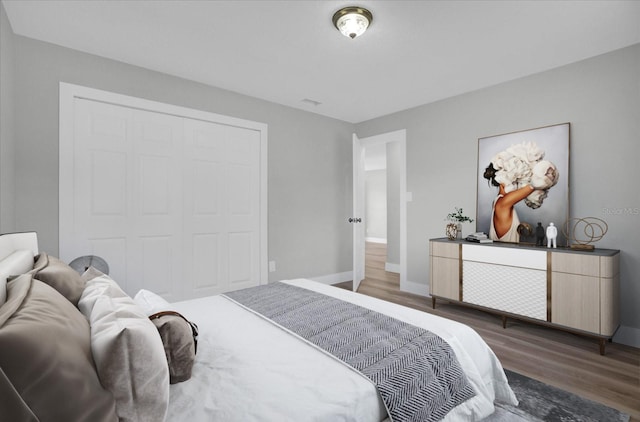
[565, 360]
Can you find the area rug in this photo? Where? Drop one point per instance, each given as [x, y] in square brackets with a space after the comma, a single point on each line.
[542, 402]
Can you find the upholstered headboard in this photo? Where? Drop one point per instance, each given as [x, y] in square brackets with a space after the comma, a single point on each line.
[16, 257]
[11, 242]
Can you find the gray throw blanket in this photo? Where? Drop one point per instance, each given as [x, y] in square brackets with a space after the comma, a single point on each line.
[415, 371]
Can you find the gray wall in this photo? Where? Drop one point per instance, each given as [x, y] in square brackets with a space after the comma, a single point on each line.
[393, 203]
[7, 138]
[600, 97]
[309, 155]
[375, 199]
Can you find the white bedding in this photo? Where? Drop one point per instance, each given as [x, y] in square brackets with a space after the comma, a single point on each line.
[247, 369]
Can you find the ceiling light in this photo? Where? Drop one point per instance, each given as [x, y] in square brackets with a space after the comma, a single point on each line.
[352, 21]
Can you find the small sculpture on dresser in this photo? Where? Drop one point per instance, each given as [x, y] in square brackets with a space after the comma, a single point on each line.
[552, 233]
[539, 234]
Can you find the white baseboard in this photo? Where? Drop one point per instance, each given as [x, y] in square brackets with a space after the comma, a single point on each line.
[392, 268]
[628, 335]
[334, 278]
[415, 288]
[375, 240]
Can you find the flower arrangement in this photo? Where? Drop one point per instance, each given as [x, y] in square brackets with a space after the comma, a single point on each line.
[458, 217]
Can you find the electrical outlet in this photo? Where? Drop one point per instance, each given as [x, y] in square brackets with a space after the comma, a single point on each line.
[272, 266]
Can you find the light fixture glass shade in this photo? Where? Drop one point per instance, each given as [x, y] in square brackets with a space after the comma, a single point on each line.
[352, 21]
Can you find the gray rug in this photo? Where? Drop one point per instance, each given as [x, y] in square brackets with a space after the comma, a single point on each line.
[542, 402]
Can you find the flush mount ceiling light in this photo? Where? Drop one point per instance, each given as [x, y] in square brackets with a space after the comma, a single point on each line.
[352, 21]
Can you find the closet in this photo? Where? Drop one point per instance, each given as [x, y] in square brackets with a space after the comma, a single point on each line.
[173, 199]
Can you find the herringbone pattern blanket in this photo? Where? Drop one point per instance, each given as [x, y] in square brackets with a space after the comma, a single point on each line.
[416, 372]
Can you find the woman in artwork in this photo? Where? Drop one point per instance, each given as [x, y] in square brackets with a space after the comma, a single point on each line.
[504, 218]
[520, 173]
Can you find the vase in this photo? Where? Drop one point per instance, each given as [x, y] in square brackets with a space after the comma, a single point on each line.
[452, 231]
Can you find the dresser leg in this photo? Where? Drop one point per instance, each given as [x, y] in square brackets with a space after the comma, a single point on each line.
[504, 321]
[433, 302]
[602, 342]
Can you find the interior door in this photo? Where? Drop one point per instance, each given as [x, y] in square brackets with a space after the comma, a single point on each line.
[358, 212]
[397, 137]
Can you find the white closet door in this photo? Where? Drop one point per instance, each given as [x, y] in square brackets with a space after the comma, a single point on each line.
[171, 203]
[222, 212]
[127, 178]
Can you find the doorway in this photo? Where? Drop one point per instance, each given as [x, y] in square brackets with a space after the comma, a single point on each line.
[380, 197]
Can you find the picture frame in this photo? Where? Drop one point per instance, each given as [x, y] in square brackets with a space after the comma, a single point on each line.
[525, 172]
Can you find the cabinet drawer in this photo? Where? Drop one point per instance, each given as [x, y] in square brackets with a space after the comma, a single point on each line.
[445, 249]
[575, 264]
[508, 257]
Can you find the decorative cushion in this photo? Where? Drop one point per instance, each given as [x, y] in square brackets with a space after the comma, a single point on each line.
[97, 284]
[128, 352]
[150, 302]
[45, 356]
[178, 338]
[60, 276]
[18, 262]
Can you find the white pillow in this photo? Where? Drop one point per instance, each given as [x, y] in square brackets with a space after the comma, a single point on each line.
[150, 303]
[97, 284]
[19, 262]
[129, 358]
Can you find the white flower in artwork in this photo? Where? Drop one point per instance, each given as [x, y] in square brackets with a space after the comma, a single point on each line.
[535, 198]
[522, 164]
[544, 175]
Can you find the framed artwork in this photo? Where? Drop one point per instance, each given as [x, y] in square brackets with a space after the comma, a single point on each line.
[523, 180]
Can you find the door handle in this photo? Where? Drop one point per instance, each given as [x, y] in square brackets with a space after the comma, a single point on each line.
[355, 220]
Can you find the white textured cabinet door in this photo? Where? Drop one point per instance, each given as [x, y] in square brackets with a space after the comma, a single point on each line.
[512, 281]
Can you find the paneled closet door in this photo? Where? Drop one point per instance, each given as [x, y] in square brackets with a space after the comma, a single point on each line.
[127, 186]
[221, 212]
[172, 203]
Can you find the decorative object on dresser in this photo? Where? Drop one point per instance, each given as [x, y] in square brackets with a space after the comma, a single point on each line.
[568, 289]
[454, 227]
[552, 234]
[581, 233]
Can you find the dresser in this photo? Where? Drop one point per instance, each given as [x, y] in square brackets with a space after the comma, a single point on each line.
[577, 291]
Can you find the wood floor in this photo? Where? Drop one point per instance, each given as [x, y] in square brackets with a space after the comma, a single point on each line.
[567, 361]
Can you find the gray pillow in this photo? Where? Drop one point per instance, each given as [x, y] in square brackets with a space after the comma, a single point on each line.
[45, 355]
[60, 276]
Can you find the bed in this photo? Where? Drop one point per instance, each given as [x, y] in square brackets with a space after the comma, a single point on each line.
[62, 364]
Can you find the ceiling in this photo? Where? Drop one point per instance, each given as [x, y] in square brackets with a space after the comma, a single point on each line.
[288, 52]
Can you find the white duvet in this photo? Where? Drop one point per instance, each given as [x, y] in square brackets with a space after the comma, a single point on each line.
[248, 369]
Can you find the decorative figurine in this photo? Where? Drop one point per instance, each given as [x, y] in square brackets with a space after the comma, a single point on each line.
[539, 234]
[552, 233]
